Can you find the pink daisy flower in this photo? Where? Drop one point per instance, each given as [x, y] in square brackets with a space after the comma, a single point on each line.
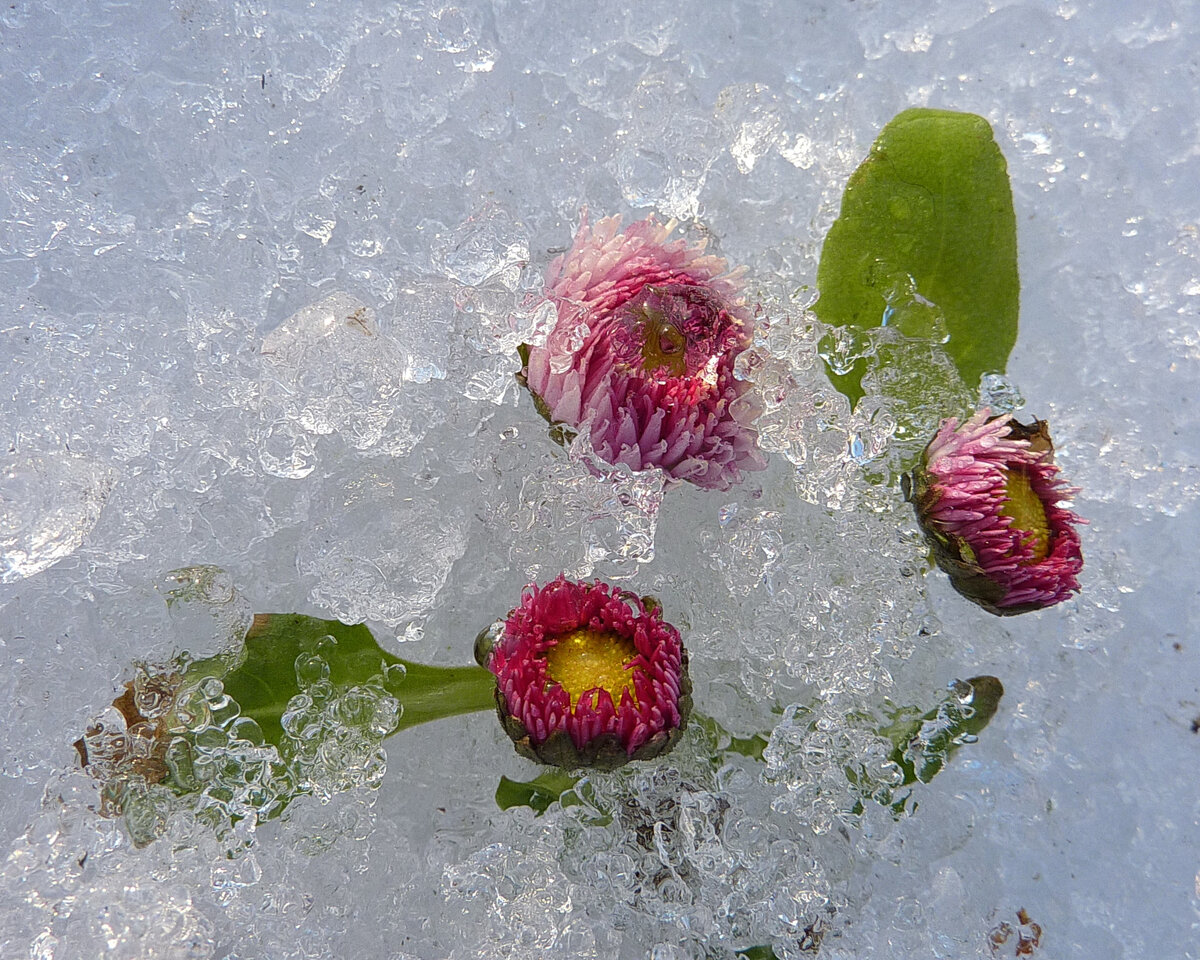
[988, 497]
[587, 675]
[643, 351]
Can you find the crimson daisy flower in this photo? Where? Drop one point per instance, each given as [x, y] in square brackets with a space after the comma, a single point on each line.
[587, 675]
[643, 352]
[989, 498]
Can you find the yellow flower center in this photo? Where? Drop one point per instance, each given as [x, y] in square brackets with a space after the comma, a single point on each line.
[1028, 513]
[663, 343]
[584, 660]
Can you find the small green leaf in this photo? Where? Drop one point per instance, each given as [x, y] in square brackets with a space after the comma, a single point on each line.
[923, 742]
[559, 786]
[757, 953]
[721, 741]
[199, 709]
[551, 787]
[538, 793]
[265, 675]
[926, 236]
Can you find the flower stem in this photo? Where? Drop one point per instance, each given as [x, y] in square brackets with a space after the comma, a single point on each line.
[433, 693]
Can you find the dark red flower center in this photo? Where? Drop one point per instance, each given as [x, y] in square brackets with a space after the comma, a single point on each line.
[675, 330]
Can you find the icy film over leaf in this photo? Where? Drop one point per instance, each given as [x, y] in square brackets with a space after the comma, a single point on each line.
[300, 708]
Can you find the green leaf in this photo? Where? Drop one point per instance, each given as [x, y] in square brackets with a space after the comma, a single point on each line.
[926, 234]
[280, 647]
[554, 786]
[538, 793]
[923, 742]
[922, 745]
[757, 953]
[205, 722]
[559, 786]
[721, 741]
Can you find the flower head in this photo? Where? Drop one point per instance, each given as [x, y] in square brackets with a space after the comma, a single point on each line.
[643, 351]
[587, 675]
[988, 497]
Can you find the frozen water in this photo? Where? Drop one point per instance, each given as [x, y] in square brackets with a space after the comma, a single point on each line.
[50, 505]
[263, 273]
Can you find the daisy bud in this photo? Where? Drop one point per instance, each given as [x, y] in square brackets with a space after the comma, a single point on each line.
[989, 498]
[588, 676]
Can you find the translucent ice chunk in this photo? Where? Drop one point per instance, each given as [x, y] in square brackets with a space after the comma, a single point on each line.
[594, 516]
[48, 504]
[382, 556]
[489, 247]
[328, 369]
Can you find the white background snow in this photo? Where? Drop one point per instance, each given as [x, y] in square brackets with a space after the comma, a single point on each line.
[195, 195]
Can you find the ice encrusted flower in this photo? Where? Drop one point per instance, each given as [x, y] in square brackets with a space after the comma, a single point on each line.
[587, 675]
[643, 351]
[990, 500]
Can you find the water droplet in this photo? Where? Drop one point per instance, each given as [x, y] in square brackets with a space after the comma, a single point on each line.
[962, 690]
[311, 668]
[212, 689]
[486, 640]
